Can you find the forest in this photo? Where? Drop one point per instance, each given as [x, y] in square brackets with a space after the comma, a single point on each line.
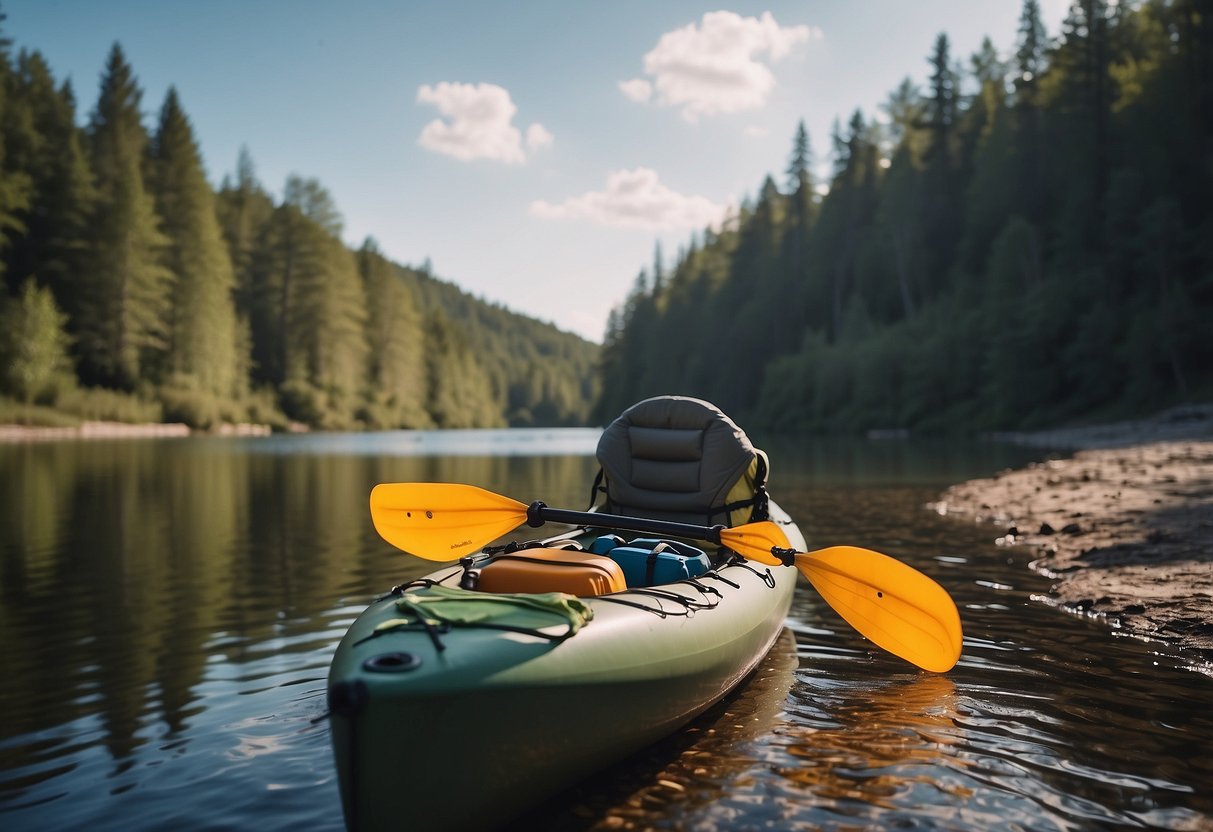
[135, 291]
[1026, 241]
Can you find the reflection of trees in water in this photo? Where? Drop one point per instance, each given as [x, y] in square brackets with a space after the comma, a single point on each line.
[129, 570]
[869, 744]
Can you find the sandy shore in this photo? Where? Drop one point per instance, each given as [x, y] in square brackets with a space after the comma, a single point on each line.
[1124, 527]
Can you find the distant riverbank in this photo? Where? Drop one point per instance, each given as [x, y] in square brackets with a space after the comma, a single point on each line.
[118, 430]
[1124, 527]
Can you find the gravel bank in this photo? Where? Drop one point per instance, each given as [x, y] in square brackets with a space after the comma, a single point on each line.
[1125, 528]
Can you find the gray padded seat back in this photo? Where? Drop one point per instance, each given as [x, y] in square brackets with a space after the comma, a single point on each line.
[673, 458]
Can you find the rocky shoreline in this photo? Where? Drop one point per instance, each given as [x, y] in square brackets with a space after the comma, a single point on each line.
[1123, 527]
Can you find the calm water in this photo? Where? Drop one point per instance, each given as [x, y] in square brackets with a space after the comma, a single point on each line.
[168, 609]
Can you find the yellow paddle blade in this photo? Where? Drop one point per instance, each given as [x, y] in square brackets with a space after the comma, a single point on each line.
[441, 520]
[897, 607]
[755, 541]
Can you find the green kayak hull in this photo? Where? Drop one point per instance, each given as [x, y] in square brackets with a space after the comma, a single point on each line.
[470, 736]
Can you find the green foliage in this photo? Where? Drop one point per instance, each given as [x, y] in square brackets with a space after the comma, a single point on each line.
[33, 346]
[45, 146]
[13, 412]
[207, 308]
[122, 326]
[98, 404]
[1015, 256]
[202, 326]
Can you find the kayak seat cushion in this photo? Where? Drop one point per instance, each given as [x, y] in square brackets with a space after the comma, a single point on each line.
[681, 459]
[544, 569]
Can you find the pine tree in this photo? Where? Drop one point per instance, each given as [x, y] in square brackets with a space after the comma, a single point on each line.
[14, 180]
[202, 319]
[941, 106]
[244, 209]
[800, 174]
[309, 331]
[52, 246]
[658, 270]
[396, 345]
[802, 196]
[1029, 67]
[1084, 106]
[125, 300]
[458, 395]
[941, 186]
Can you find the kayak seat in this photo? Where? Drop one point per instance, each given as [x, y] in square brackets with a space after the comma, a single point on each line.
[681, 459]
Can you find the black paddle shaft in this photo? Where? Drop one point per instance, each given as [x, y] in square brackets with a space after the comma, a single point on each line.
[538, 513]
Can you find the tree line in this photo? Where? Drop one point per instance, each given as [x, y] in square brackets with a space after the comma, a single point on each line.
[136, 290]
[1025, 241]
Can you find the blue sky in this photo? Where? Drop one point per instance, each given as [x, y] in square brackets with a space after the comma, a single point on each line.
[535, 152]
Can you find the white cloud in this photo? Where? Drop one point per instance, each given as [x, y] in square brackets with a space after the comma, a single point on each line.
[477, 123]
[637, 89]
[716, 66]
[538, 136]
[756, 131]
[635, 199]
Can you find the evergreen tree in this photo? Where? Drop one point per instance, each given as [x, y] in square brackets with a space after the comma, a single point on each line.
[906, 113]
[244, 209]
[800, 164]
[658, 270]
[846, 217]
[941, 106]
[1029, 67]
[53, 242]
[941, 196]
[458, 395]
[802, 213]
[1081, 110]
[396, 345]
[125, 296]
[14, 181]
[201, 323]
[316, 308]
[900, 220]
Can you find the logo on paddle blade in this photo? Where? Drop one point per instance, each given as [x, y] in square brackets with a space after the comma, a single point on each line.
[461, 544]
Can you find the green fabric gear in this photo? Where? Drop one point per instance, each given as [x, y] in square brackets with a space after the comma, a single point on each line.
[526, 612]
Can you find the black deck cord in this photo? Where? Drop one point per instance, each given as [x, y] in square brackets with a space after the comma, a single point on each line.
[566, 544]
[444, 627]
[423, 583]
[765, 575]
[717, 576]
[690, 605]
[706, 590]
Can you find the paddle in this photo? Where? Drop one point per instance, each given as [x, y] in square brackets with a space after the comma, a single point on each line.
[894, 605]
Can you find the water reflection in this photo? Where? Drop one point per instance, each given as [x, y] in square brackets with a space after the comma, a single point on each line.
[702, 773]
[145, 586]
[168, 610]
[853, 742]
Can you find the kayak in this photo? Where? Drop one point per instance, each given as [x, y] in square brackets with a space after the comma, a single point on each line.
[467, 728]
[460, 700]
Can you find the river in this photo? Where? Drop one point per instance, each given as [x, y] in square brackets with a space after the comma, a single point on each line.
[169, 607]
